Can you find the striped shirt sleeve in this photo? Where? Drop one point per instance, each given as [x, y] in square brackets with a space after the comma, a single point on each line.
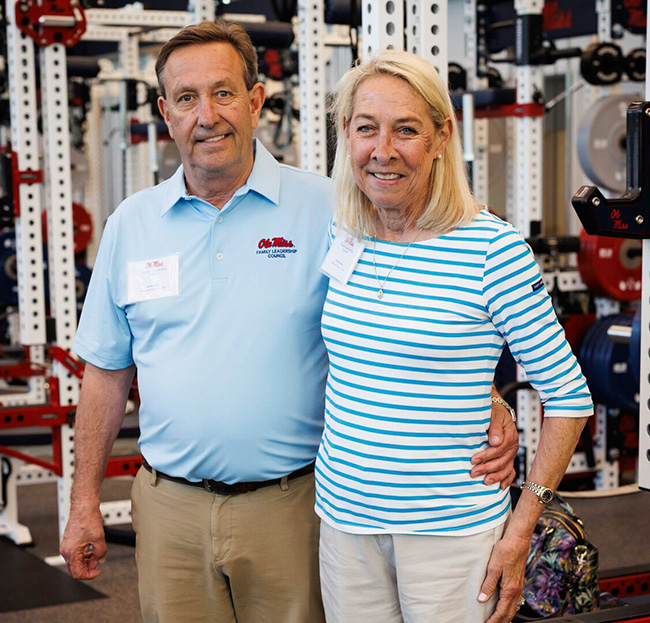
[522, 312]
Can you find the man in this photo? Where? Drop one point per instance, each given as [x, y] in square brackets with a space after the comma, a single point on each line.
[209, 284]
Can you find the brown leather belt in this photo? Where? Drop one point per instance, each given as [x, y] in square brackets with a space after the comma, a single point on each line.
[214, 486]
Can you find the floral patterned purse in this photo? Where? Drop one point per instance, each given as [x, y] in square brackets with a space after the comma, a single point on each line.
[561, 568]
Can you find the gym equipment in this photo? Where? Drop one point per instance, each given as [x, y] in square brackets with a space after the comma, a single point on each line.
[626, 216]
[457, 77]
[611, 266]
[8, 268]
[602, 141]
[82, 278]
[605, 365]
[602, 64]
[635, 64]
[82, 224]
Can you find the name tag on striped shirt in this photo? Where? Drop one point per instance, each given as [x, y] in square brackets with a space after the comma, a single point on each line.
[342, 258]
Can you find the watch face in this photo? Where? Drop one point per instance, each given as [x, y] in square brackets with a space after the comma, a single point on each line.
[546, 496]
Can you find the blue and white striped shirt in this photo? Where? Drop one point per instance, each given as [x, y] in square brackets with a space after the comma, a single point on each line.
[408, 391]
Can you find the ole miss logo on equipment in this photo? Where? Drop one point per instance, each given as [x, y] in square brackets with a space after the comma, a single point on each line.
[275, 247]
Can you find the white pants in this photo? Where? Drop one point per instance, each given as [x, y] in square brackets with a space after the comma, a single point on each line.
[404, 578]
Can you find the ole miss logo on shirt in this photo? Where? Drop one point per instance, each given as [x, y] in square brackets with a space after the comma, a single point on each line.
[275, 247]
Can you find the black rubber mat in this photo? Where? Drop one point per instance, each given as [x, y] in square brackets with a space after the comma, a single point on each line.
[28, 582]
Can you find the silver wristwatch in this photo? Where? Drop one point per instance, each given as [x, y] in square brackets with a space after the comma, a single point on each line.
[544, 494]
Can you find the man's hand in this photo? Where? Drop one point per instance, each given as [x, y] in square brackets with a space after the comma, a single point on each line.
[83, 546]
[506, 570]
[496, 463]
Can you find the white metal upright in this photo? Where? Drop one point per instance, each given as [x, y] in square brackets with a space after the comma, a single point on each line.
[644, 402]
[201, 10]
[426, 33]
[382, 23]
[61, 263]
[26, 146]
[529, 137]
[313, 127]
[480, 168]
[27, 188]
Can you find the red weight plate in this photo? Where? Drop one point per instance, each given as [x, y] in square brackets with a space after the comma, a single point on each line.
[611, 266]
[82, 225]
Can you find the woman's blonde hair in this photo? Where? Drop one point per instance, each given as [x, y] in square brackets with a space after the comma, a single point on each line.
[451, 202]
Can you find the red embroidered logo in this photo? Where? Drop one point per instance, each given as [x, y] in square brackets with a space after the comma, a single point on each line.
[268, 243]
[275, 247]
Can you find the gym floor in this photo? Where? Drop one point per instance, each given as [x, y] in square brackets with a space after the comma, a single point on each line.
[614, 524]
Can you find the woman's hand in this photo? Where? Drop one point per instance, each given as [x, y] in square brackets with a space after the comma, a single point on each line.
[506, 571]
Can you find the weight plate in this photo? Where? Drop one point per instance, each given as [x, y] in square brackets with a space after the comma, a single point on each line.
[611, 266]
[635, 65]
[82, 227]
[605, 365]
[602, 64]
[602, 141]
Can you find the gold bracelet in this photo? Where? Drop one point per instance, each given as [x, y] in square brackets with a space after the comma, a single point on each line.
[500, 401]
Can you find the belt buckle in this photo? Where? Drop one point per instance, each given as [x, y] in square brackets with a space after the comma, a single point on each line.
[210, 486]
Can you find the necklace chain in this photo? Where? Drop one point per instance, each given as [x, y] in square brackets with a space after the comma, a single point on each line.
[381, 284]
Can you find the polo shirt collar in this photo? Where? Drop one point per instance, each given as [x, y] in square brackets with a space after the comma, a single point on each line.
[264, 179]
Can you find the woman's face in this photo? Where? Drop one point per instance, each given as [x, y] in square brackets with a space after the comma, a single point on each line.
[393, 142]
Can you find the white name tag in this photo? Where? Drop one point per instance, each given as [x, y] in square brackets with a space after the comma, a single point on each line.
[153, 279]
[342, 258]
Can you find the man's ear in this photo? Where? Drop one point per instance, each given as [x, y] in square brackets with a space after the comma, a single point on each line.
[164, 111]
[256, 95]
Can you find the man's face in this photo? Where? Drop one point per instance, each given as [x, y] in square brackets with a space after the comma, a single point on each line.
[210, 113]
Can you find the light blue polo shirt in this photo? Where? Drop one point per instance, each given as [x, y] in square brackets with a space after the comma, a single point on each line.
[232, 369]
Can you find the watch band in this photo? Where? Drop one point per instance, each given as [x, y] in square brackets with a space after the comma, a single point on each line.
[544, 494]
[500, 401]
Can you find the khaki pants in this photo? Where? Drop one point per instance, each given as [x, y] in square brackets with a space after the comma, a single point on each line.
[246, 558]
[405, 578]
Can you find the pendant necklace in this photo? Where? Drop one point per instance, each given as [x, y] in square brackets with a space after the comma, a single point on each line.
[381, 284]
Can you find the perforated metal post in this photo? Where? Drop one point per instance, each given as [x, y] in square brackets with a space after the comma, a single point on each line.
[25, 144]
[604, 17]
[480, 169]
[426, 32]
[382, 25]
[313, 129]
[529, 138]
[93, 191]
[58, 202]
[644, 390]
[201, 10]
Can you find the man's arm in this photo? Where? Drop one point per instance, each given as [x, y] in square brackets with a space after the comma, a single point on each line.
[496, 463]
[99, 417]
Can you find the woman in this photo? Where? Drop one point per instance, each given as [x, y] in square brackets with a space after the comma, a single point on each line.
[413, 337]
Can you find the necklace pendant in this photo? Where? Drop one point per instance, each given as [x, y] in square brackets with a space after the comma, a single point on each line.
[380, 294]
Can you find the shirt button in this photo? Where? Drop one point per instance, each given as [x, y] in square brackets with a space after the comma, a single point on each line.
[219, 256]
[219, 219]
